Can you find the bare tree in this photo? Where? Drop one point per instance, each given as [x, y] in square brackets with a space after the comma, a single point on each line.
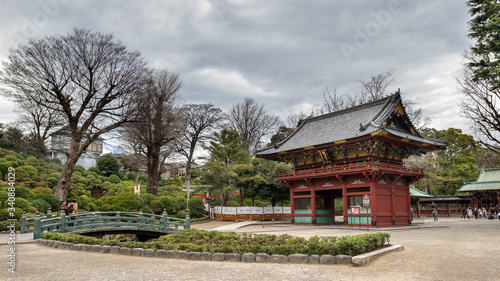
[39, 122]
[160, 122]
[480, 105]
[252, 122]
[200, 120]
[331, 102]
[86, 76]
[376, 87]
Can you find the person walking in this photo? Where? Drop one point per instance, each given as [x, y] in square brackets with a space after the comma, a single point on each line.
[469, 213]
[434, 214]
[464, 211]
[475, 213]
[411, 213]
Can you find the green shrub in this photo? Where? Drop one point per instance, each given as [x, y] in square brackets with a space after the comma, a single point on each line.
[94, 170]
[79, 169]
[5, 214]
[180, 203]
[32, 171]
[231, 242]
[147, 197]
[108, 208]
[128, 201]
[23, 192]
[53, 201]
[168, 204]
[40, 205]
[196, 207]
[5, 224]
[131, 176]
[114, 179]
[19, 202]
[146, 209]
[181, 215]
[4, 168]
[157, 206]
[93, 207]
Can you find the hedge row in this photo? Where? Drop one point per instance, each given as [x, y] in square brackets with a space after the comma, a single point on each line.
[194, 240]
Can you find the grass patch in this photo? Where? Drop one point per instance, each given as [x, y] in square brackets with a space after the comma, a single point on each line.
[194, 240]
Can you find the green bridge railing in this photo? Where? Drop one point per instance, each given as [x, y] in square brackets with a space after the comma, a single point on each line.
[93, 220]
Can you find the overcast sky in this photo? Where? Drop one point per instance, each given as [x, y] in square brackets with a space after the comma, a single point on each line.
[281, 53]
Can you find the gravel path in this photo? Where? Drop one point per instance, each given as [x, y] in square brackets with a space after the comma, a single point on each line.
[466, 250]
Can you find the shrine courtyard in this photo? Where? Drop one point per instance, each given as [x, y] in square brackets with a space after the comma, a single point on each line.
[450, 249]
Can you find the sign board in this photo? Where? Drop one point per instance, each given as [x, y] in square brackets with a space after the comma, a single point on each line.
[366, 201]
[212, 205]
[355, 210]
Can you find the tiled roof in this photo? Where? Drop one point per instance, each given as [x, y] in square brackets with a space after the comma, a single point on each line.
[487, 180]
[345, 124]
[418, 193]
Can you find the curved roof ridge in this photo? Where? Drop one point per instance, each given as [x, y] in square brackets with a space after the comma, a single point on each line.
[302, 122]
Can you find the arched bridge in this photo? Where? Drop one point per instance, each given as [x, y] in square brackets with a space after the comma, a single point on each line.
[99, 223]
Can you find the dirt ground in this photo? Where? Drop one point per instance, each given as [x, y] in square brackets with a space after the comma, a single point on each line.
[453, 250]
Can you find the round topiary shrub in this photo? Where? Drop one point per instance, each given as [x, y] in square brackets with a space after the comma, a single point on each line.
[114, 179]
[21, 203]
[156, 206]
[196, 207]
[181, 215]
[131, 176]
[23, 192]
[40, 205]
[53, 201]
[147, 198]
[180, 203]
[168, 204]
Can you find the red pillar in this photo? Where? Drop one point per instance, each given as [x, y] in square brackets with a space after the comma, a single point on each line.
[332, 206]
[373, 203]
[313, 204]
[292, 209]
[344, 201]
[393, 213]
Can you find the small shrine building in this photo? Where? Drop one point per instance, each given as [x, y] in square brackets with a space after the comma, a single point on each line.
[485, 191]
[355, 155]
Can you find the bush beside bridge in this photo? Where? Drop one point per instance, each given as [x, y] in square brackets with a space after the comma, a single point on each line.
[194, 240]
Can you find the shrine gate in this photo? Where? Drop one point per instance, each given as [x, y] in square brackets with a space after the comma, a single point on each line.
[349, 155]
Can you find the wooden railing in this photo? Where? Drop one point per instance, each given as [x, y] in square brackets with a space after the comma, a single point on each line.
[94, 220]
[353, 167]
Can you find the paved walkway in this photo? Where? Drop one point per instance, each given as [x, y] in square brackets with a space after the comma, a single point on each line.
[453, 250]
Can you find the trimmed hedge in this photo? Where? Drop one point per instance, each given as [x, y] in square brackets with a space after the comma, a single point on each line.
[194, 240]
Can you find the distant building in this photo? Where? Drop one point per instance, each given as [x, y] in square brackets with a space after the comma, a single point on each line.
[485, 191]
[59, 144]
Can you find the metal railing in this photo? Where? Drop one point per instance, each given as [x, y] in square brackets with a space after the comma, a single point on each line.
[95, 220]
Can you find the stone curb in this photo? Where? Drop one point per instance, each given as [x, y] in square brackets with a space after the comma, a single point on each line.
[359, 260]
[366, 258]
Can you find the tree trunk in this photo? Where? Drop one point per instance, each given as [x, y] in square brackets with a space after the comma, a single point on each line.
[242, 190]
[64, 184]
[153, 160]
